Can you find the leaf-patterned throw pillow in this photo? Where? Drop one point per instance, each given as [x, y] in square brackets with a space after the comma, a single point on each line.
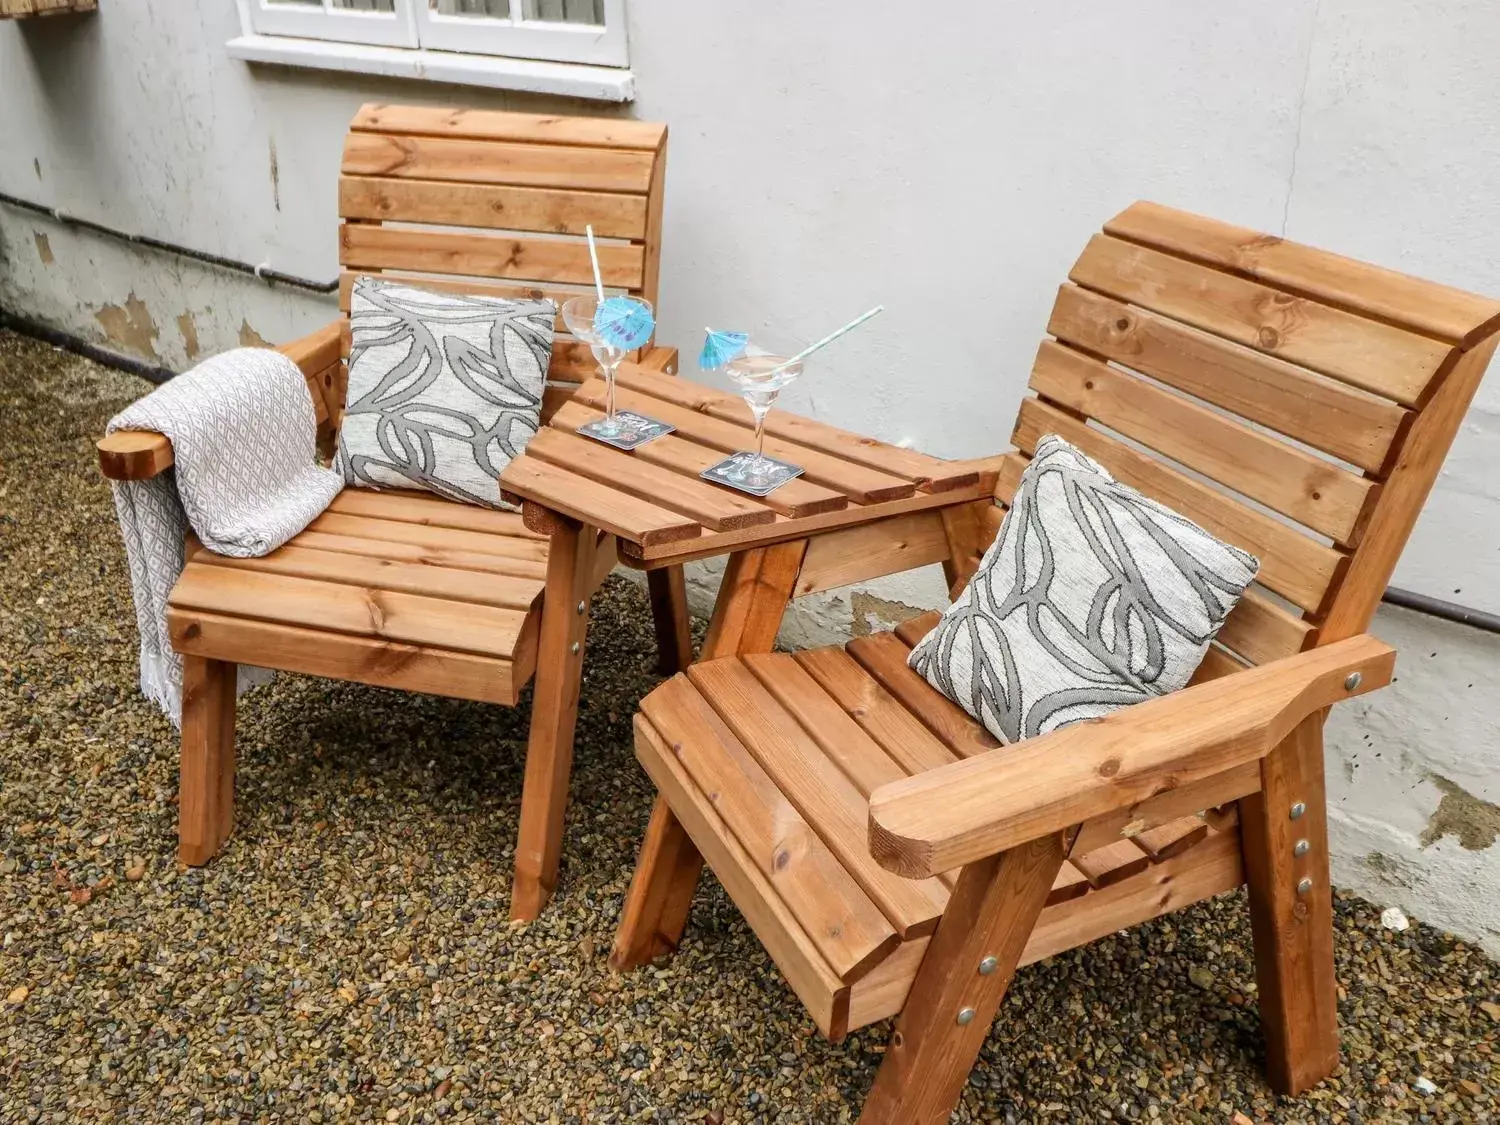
[1091, 598]
[444, 390]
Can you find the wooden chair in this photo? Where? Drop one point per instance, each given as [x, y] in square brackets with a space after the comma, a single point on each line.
[405, 589]
[895, 862]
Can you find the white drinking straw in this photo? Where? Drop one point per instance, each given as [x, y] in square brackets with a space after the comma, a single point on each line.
[594, 257]
[831, 337]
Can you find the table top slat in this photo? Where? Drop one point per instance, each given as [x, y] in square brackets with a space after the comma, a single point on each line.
[598, 505]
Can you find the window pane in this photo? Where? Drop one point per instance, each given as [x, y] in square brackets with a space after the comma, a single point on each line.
[485, 8]
[566, 11]
[365, 5]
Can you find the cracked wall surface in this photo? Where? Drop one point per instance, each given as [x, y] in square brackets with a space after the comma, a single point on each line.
[955, 186]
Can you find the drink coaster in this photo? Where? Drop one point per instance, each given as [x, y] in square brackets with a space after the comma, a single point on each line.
[635, 429]
[731, 472]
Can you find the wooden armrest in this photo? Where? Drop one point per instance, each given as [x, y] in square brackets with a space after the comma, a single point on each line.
[955, 814]
[141, 454]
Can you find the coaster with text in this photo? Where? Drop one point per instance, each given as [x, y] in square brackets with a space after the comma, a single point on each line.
[735, 472]
[634, 429]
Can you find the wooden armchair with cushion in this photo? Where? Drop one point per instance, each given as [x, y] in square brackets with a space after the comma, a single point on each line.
[895, 862]
[406, 589]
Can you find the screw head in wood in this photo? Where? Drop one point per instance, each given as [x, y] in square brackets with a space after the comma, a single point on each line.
[1297, 810]
[575, 648]
[1352, 681]
[1301, 848]
[966, 1017]
[1304, 885]
[988, 966]
[581, 607]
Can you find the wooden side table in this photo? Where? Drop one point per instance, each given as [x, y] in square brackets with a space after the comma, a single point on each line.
[859, 503]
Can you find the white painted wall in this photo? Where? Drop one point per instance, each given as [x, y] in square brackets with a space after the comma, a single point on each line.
[825, 157]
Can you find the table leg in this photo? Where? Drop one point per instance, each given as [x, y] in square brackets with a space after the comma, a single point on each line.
[669, 610]
[757, 587]
[554, 713]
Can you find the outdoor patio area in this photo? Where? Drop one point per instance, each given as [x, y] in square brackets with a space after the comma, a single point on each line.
[350, 956]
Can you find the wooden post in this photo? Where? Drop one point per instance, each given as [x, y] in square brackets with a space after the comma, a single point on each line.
[1291, 910]
[964, 529]
[961, 982]
[554, 713]
[753, 597]
[205, 797]
[669, 610]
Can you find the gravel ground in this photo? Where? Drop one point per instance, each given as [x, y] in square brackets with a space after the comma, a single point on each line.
[349, 956]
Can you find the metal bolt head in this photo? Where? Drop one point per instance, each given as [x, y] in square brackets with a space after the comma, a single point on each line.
[1304, 885]
[575, 648]
[966, 1017]
[1301, 848]
[1297, 810]
[582, 607]
[1352, 681]
[988, 966]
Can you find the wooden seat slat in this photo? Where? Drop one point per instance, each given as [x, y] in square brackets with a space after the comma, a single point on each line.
[1292, 564]
[797, 497]
[913, 629]
[410, 506]
[377, 198]
[1422, 306]
[834, 911]
[1304, 487]
[501, 125]
[884, 657]
[1389, 361]
[815, 981]
[414, 156]
[368, 246]
[861, 484]
[879, 713]
[1070, 883]
[343, 656]
[362, 611]
[599, 505]
[1329, 415]
[711, 505]
[451, 558]
[387, 574]
[819, 790]
[930, 474]
[429, 535]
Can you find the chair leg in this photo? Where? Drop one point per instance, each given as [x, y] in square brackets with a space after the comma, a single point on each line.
[960, 984]
[669, 609]
[661, 892]
[1291, 911]
[205, 797]
[554, 714]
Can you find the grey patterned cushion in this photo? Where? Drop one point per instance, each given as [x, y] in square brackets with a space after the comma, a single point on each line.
[1091, 598]
[443, 390]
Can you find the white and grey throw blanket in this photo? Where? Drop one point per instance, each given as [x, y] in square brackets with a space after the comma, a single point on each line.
[244, 438]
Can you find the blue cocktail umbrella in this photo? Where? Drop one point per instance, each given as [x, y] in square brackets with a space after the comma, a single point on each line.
[624, 322]
[719, 348]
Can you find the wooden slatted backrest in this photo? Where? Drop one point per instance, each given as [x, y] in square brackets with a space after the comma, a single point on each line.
[1292, 401]
[476, 201]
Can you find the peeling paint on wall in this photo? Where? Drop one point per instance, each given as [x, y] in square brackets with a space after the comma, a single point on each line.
[189, 332]
[44, 249]
[130, 326]
[250, 338]
[1475, 822]
[877, 615]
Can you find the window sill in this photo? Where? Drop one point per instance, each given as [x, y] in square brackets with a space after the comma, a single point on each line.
[574, 80]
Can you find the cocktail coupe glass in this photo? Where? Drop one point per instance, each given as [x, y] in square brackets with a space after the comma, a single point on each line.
[760, 375]
[578, 314]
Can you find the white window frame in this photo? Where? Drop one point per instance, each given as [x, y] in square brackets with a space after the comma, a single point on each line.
[340, 25]
[415, 26]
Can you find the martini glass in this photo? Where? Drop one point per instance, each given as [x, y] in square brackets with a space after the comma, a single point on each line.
[578, 315]
[760, 375]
